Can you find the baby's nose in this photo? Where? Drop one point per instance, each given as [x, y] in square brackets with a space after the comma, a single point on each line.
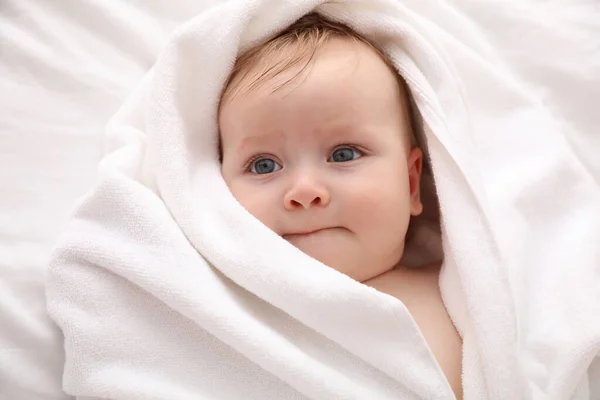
[306, 193]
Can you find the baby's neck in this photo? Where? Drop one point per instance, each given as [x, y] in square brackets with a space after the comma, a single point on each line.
[400, 271]
[396, 281]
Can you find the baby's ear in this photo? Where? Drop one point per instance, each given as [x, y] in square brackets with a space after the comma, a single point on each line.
[415, 167]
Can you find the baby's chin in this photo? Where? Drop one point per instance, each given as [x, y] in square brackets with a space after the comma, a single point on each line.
[339, 250]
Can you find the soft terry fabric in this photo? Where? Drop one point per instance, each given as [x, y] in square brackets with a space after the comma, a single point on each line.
[166, 288]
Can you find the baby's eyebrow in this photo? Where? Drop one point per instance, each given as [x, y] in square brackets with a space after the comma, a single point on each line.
[334, 132]
[256, 140]
[343, 131]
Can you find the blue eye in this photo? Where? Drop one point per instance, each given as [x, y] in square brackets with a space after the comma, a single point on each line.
[264, 166]
[344, 154]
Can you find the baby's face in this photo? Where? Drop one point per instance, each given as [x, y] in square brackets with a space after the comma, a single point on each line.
[326, 162]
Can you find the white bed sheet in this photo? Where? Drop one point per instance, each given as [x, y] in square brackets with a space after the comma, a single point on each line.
[65, 68]
[67, 65]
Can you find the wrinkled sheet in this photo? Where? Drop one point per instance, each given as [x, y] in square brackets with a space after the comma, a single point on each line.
[65, 67]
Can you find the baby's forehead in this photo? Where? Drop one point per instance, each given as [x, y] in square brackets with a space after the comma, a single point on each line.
[341, 72]
[278, 66]
[286, 60]
[292, 67]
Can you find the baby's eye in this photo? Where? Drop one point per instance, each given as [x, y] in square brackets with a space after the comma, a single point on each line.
[264, 166]
[344, 154]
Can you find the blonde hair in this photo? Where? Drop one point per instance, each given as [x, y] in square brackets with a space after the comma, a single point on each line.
[296, 44]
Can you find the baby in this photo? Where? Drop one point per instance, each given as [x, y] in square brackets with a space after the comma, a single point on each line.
[317, 143]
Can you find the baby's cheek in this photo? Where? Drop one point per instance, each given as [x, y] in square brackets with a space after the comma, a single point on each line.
[261, 206]
[382, 206]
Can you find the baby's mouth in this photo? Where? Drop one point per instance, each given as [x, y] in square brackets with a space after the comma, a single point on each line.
[309, 232]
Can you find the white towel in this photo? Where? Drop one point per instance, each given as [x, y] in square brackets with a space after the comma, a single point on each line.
[166, 288]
